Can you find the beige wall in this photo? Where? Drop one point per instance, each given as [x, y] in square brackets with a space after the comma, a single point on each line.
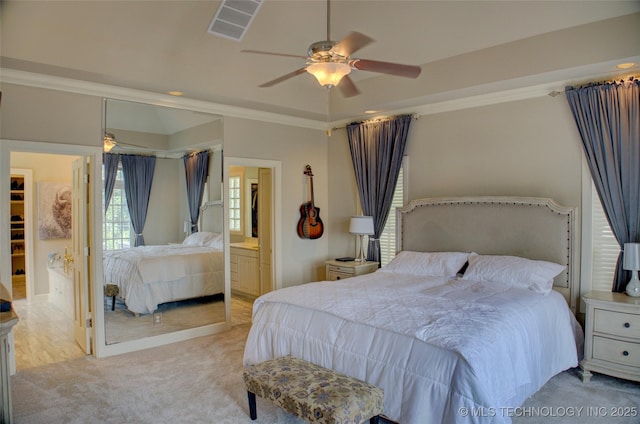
[294, 147]
[35, 114]
[45, 168]
[166, 203]
[527, 148]
[521, 148]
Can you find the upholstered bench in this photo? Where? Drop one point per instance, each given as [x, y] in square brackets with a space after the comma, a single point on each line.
[311, 392]
[111, 290]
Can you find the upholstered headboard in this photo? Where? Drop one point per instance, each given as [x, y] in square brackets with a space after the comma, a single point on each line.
[534, 228]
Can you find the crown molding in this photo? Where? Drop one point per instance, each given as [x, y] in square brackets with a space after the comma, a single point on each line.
[50, 82]
[458, 100]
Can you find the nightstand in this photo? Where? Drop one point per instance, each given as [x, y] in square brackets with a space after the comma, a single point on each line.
[337, 270]
[612, 335]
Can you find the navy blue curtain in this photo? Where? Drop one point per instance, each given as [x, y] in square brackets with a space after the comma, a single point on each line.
[138, 177]
[110, 162]
[377, 149]
[608, 118]
[196, 166]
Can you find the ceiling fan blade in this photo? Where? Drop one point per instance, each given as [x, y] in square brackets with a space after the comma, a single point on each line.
[284, 77]
[397, 69]
[347, 87]
[274, 54]
[351, 44]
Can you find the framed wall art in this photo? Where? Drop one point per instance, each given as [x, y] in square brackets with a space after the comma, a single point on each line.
[54, 210]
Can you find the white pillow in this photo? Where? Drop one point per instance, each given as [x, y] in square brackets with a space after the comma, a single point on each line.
[535, 275]
[216, 242]
[200, 238]
[436, 264]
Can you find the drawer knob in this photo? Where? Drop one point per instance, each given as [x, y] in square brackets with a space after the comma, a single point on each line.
[338, 277]
[627, 325]
[625, 353]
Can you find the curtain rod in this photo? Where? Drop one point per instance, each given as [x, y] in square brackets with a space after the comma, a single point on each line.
[414, 116]
[630, 77]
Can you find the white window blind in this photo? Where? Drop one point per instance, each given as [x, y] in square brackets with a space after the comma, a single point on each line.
[388, 236]
[235, 221]
[605, 248]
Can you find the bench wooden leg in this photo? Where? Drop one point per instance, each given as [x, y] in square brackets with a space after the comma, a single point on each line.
[252, 405]
[374, 420]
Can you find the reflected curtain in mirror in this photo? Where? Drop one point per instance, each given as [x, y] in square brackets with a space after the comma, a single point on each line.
[196, 166]
[110, 162]
[138, 177]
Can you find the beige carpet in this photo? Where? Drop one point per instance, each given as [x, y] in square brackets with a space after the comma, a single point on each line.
[200, 381]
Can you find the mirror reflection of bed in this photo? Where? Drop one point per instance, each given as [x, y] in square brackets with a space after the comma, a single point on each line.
[176, 280]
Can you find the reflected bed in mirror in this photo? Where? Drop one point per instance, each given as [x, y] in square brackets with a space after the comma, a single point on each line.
[168, 276]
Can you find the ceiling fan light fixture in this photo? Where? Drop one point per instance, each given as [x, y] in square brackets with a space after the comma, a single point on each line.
[329, 74]
[109, 142]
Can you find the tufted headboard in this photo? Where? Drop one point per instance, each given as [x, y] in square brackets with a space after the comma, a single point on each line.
[529, 227]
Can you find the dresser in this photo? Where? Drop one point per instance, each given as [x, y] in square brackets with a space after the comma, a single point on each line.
[337, 270]
[612, 335]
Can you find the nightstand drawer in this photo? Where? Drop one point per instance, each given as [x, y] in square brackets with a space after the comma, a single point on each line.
[625, 353]
[342, 270]
[335, 275]
[617, 323]
[338, 270]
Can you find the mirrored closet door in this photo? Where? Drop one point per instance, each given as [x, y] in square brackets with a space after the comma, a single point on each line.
[163, 224]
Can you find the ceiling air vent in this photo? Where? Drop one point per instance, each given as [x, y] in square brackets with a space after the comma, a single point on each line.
[233, 18]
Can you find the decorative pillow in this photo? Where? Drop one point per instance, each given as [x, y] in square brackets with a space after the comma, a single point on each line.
[200, 238]
[436, 264]
[535, 275]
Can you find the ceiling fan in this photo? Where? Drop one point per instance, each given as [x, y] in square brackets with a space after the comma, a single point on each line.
[331, 62]
[109, 142]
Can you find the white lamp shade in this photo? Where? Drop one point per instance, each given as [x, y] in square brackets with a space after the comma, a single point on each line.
[362, 225]
[329, 74]
[631, 256]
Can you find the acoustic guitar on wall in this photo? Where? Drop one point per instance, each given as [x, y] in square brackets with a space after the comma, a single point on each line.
[310, 225]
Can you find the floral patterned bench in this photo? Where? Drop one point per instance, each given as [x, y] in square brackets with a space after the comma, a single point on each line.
[313, 393]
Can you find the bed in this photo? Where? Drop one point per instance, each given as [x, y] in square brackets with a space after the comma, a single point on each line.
[148, 276]
[446, 346]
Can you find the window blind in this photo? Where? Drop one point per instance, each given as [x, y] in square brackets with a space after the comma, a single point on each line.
[388, 236]
[605, 248]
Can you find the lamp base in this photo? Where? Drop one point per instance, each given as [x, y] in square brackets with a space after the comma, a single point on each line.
[361, 257]
[633, 287]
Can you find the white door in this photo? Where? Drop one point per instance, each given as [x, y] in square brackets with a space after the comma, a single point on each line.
[264, 229]
[79, 255]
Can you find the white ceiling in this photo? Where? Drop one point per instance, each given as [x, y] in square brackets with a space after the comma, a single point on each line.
[464, 47]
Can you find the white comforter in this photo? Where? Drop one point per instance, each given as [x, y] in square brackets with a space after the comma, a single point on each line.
[150, 275]
[435, 346]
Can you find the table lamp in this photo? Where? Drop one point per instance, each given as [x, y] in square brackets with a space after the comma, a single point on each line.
[361, 226]
[632, 262]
